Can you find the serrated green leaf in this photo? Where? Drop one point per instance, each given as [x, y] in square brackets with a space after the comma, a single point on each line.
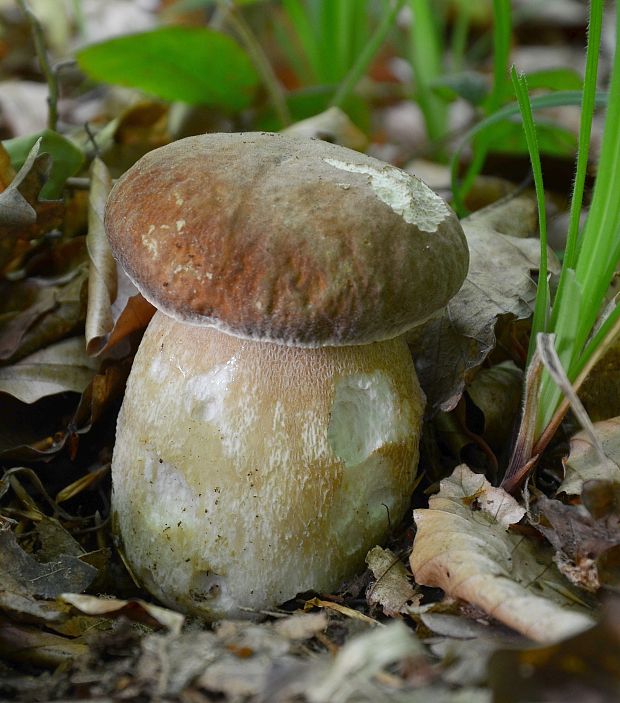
[67, 158]
[190, 64]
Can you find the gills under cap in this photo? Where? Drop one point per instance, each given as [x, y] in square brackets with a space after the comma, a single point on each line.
[285, 239]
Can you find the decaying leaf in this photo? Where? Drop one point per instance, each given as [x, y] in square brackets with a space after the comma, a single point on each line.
[392, 589]
[585, 667]
[59, 368]
[23, 217]
[27, 585]
[584, 464]
[102, 275]
[449, 347]
[115, 307]
[578, 537]
[464, 546]
[40, 310]
[137, 610]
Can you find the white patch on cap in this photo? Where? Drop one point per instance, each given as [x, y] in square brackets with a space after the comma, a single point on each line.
[150, 242]
[409, 197]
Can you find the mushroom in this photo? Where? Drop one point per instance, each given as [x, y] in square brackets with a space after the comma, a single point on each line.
[269, 432]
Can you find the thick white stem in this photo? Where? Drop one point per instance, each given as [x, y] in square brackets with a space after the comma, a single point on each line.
[247, 472]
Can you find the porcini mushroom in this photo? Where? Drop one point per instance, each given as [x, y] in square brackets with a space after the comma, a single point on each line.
[269, 432]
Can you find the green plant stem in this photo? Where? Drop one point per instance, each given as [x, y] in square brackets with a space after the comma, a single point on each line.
[49, 73]
[255, 51]
[362, 62]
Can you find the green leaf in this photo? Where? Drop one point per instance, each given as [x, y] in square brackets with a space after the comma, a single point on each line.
[67, 158]
[190, 64]
[469, 85]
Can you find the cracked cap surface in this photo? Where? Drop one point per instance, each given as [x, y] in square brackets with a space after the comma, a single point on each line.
[285, 239]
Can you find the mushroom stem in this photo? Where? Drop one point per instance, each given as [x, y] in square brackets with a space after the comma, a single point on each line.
[246, 472]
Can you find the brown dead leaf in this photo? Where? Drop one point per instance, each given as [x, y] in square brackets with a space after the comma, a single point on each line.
[102, 275]
[392, 589]
[59, 368]
[464, 545]
[115, 307]
[584, 464]
[579, 539]
[33, 646]
[136, 610]
[40, 310]
[585, 667]
[449, 348]
[23, 218]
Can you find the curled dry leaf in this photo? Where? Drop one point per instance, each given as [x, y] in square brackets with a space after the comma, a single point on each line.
[115, 308]
[102, 272]
[59, 368]
[449, 348]
[584, 464]
[464, 546]
[579, 538]
[135, 609]
[23, 217]
[38, 311]
[392, 589]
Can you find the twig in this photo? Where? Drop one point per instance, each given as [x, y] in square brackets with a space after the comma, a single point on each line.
[46, 68]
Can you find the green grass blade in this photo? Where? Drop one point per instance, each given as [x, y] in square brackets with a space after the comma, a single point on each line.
[306, 34]
[426, 59]
[502, 32]
[564, 97]
[583, 150]
[360, 66]
[541, 306]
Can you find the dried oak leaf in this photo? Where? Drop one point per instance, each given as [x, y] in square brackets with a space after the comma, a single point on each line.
[464, 545]
[584, 463]
[449, 347]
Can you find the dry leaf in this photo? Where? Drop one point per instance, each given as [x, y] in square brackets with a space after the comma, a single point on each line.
[59, 368]
[135, 609]
[449, 347]
[463, 545]
[102, 273]
[584, 668]
[583, 463]
[577, 536]
[392, 589]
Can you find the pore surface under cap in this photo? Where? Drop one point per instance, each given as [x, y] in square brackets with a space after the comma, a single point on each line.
[285, 239]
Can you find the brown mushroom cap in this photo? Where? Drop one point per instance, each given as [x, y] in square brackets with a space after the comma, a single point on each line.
[285, 239]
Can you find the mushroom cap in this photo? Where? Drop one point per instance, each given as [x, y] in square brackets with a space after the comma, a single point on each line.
[285, 239]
